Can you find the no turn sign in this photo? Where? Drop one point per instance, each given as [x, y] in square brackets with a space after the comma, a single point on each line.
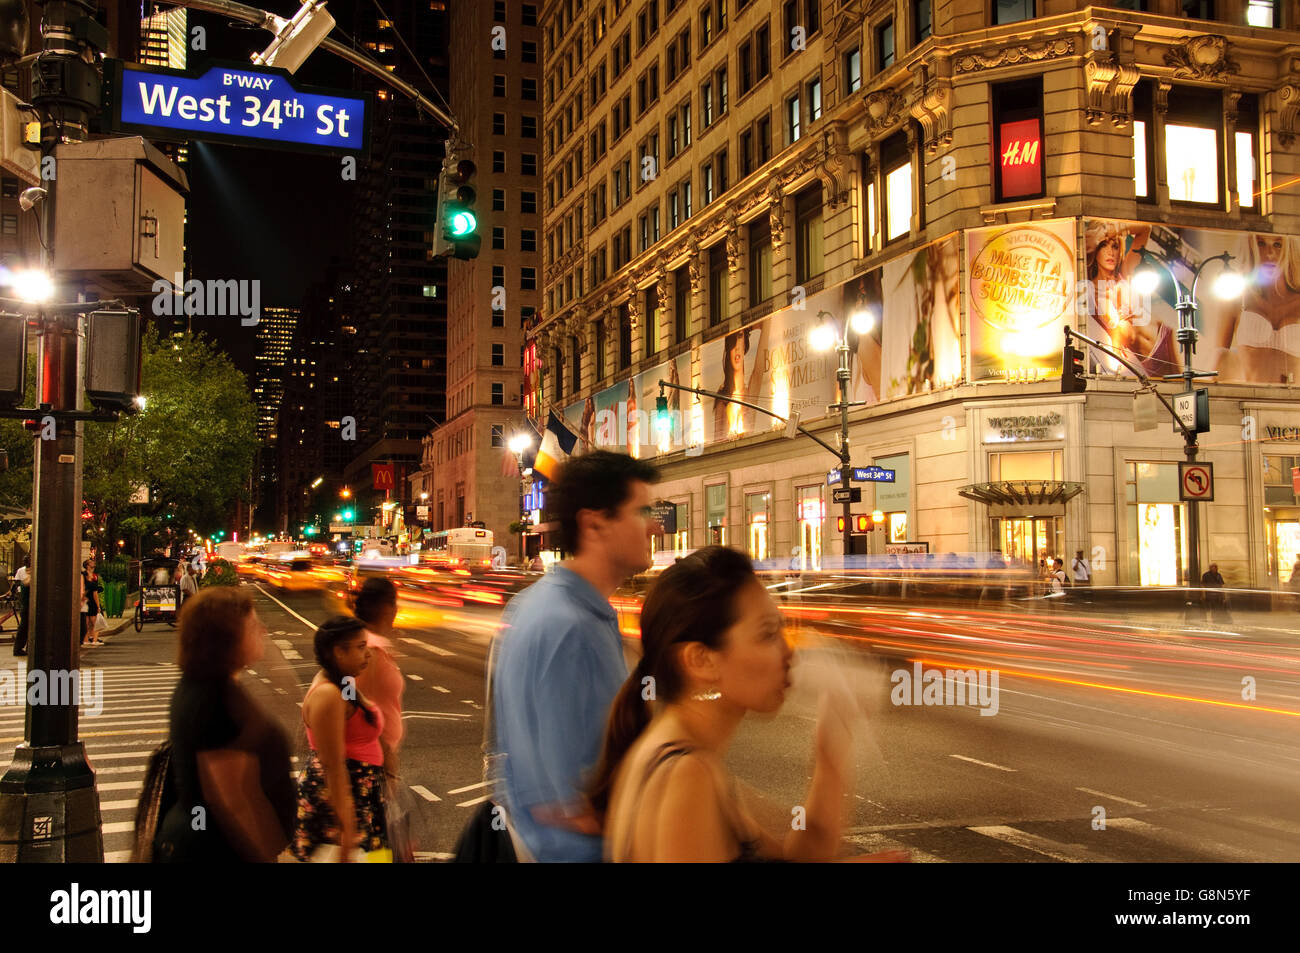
[1196, 482]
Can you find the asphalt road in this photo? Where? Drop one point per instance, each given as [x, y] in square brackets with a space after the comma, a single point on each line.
[1112, 740]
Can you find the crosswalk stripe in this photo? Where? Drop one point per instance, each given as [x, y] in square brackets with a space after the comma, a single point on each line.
[1066, 853]
[119, 827]
[130, 805]
[435, 649]
[1182, 841]
[469, 787]
[117, 856]
[875, 843]
[1111, 797]
[424, 792]
[121, 785]
[477, 800]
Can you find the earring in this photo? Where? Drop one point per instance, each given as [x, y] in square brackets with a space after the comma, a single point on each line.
[711, 695]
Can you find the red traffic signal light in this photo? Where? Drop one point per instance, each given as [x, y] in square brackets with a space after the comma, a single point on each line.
[864, 524]
[1072, 371]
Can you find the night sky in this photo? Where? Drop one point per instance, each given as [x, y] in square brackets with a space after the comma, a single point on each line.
[263, 213]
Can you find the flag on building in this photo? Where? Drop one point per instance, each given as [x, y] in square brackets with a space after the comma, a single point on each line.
[557, 445]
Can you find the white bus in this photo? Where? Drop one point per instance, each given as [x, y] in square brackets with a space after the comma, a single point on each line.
[462, 548]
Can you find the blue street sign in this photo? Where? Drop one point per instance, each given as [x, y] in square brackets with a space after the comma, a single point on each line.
[862, 475]
[238, 104]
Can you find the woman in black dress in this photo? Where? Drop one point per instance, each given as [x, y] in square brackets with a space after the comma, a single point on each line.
[235, 798]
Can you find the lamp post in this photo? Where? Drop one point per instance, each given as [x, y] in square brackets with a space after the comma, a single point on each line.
[1228, 285]
[519, 445]
[823, 338]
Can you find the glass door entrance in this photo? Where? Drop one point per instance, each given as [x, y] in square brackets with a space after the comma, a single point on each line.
[1030, 539]
[1284, 548]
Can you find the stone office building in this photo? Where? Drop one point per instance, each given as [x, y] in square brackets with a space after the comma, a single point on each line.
[723, 178]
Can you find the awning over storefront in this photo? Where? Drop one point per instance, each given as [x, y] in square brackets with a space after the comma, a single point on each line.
[1022, 492]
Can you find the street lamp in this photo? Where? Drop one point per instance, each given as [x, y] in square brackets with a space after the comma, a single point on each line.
[823, 338]
[32, 285]
[519, 444]
[1229, 284]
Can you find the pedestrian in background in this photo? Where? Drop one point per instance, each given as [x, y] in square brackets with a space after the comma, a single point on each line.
[1216, 600]
[22, 590]
[229, 759]
[1081, 570]
[1057, 579]
[713, 650]
[381, 681]
[340, 794]
[188, 586]
[559, 660]
[90, 589]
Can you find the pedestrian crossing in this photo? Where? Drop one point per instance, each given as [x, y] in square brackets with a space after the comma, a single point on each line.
[120, 727]
[1183, 835]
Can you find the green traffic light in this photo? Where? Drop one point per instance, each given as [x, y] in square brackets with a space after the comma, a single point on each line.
[462, 223]
[663, 421]
[347, 514]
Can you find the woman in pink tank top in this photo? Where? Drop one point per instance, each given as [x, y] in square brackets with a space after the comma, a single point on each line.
[340, 793]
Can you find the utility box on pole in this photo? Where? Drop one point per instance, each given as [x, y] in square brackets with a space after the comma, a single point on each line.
[120, 215]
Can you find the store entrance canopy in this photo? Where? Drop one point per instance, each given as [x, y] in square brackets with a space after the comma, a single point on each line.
[1022, 492]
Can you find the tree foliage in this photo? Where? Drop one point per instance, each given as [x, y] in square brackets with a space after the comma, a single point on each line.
[193, 445]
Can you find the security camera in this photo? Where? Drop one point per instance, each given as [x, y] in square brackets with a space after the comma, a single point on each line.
[30, 198]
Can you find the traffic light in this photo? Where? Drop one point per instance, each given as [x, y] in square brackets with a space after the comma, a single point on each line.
[457, 228]
[863, 523]
[663, 422]
[347, 515]
[1072, 370]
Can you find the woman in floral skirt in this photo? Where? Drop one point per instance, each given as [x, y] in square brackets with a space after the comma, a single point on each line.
[340, 795]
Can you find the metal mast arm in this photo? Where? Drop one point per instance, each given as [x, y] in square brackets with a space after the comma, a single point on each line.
[763, 410]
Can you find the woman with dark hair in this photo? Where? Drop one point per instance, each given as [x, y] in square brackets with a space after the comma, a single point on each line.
[713, 650]
[90, 590]
[728, 417]
[230, 760]
[381, 682]
[340, 795]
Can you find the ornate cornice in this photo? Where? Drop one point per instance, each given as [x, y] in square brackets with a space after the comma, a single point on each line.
[1109, 84]
[776, 213]
[836, 164]
[932, 107]
[1286, 102]
[1201, 57]
[885, 109]
[995, 58]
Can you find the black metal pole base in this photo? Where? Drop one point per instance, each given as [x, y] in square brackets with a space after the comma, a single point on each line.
[49, 809]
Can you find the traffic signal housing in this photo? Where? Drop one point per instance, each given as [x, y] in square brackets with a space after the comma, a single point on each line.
[1072, 370]
[457, 229]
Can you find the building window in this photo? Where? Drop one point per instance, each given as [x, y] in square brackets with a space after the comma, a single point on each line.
[1193, 133]
[499, 11]
[624, 337]
[498, 160]
[719, 293]
[575, 361]
[528, 279]
[706, 181]
[529, 50]
[498, 319]
[528, 89]
[852, 71]
[498, 276]
[9, 224]
[810, 512]
[758, 523]
[896, 164]
[498, 393]
[653, 318]
[528, 127]
[1261, 13]
[498, 200]
[528, 203]
[706, 26]
[706, 104]
[498, 436]
[1157, 525]
[792, 125]
[762, 52]
[885, 46]
[1143, 141]
[498, 355]
[745, 59]
[1018, 143]
[528, 163]
[1247, 149]
[1012, 11]
[685, 191]
[814, 100]
[720, 169]
[715, 503]
[920, 21]
[808, 260]
[498, 237]
[600, 352]
[499, 86]
[760, 261]
[681, 304]
[498, 124]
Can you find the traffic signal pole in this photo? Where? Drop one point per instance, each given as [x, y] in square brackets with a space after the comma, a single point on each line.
[49, 810]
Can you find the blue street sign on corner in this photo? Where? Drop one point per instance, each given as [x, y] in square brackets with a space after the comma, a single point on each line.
[862, 475]
[236, 103]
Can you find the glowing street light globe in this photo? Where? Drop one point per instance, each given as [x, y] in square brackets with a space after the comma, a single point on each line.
[33, 285]
[862, 322]
[1146, 280]
[519, 443]
[823, 337]
[1229, 285]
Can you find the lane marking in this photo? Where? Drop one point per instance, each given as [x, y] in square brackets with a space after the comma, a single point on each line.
[477, 800]
[1113, 797]
[415, 678]
[986, 764]
[117, 856]
[469, 787]
[307, 622]
[439, 688]
[435, 649]
[1179, 839]
[431, 855]
[1033, 842]
[424, 792]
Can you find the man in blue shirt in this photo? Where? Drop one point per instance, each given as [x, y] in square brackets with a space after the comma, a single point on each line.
[559, 660]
